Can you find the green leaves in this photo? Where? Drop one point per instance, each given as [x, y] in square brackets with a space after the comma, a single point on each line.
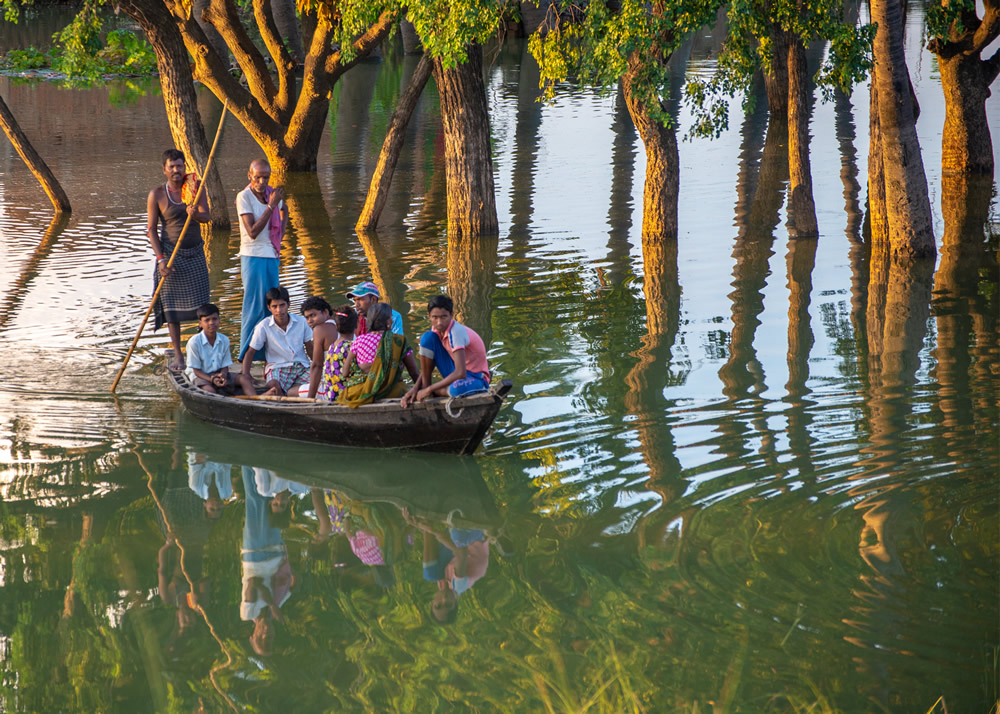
[596, 47]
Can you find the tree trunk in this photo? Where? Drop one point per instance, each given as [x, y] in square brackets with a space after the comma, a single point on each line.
[776, 81]
[213, 36]
[876, 222]
[180, 100]
[908, 208]
[801, 206]
[33, 160]
[465, 119]
[288, 27]
[411, 40]
[966, 145]
[662, 186]
[378, 189]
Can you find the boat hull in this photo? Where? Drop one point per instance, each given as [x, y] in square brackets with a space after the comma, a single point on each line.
[455, 426]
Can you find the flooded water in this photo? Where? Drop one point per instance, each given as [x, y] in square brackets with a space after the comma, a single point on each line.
[724, 481]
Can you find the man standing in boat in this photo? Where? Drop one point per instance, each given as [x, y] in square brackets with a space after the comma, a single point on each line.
[186, 282]
[263, 217]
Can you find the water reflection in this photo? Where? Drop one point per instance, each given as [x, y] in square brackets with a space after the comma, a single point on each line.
[683, 528]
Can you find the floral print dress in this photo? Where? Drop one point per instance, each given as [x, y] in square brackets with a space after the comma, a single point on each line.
[333, 365]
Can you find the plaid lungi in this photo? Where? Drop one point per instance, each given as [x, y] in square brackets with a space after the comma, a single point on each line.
[287, 375]
[185, 290]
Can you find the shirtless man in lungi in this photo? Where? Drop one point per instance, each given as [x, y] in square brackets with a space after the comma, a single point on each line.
[186, 282]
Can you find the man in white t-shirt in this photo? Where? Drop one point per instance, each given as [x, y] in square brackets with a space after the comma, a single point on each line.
[287, 338]
[263, 217]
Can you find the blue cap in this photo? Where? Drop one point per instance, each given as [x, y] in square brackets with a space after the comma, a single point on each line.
[365, 288]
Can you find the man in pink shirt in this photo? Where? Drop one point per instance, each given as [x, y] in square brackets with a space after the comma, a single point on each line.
[455, 350]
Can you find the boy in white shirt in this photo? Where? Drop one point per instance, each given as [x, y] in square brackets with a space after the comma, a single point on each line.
[209, 358]
[287, 339]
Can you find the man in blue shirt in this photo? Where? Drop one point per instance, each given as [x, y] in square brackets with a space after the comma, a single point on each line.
[364, 296]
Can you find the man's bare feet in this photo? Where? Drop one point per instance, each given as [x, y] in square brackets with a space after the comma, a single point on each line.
[272, 392]
[176, 364]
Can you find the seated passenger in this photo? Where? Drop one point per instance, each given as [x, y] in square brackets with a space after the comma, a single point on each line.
[379, 353]
[365, 295]
[209, 358]
[317, 311]
[287, 339]
[455, 350]
[331, 382]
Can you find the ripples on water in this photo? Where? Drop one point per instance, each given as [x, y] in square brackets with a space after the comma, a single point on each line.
[736, 506]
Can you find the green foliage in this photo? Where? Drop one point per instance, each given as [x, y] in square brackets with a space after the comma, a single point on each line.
[12, 9]
[945, 19]
[30, 58]
[597, 49]
[447, 28]
[750, 46]
[82, 51]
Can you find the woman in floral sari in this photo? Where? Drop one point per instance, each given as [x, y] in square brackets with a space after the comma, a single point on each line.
[379, 354]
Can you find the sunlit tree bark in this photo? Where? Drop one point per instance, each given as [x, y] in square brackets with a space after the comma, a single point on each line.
[180, 99]
[801, 206]
[286, 124]
[907, 206]
[35, 163]
[467, 146]
[662, 184]
[966, 145]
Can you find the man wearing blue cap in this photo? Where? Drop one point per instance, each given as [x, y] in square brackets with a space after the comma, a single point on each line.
[365, 295]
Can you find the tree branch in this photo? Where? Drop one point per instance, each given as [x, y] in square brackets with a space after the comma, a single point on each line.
[210, 70]
[283, 62]
[223, 15]
[988, 29]
[363, 45]
[991, 68]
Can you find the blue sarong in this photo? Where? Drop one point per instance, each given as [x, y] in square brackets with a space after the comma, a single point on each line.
[259, 275]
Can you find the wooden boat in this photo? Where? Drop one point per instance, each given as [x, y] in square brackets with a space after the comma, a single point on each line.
[455, 426]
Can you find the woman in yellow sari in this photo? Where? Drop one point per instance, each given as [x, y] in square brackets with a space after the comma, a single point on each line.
[379, 354]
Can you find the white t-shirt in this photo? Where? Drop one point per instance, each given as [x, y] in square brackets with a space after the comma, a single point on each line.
[269, 484]
[208, 358]
[259, 247]
[202, 474]
[284, 347]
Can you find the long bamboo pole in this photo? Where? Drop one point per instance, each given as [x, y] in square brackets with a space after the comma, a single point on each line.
[177, 245]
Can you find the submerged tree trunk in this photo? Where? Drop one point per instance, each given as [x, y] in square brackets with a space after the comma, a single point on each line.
[908, 208]
[801, 206]
[378, 189]
[661, 189]
[180, 100]
[776, 80]
[468, 158]
[966, 145]
[35, 163]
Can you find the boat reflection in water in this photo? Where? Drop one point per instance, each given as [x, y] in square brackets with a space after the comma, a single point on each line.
[347, 535]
